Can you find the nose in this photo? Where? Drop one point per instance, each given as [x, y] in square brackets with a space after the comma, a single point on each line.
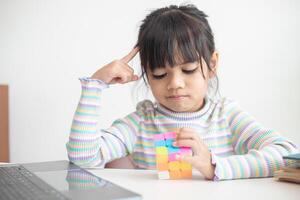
[176, 81]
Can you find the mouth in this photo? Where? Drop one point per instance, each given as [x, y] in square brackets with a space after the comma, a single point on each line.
[177, 97]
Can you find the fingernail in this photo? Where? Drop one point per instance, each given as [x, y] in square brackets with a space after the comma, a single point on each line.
[174, 143]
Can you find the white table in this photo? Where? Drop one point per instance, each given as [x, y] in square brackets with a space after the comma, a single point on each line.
[146, 183]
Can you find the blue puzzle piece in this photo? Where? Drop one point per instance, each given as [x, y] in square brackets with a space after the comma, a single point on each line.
[172, 149]
[169, 142]
[160, 143]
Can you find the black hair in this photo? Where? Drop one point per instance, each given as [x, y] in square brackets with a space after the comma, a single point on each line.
[175, 35]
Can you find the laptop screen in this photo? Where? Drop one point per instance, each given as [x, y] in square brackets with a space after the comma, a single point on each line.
[77, 179]
[77, 183]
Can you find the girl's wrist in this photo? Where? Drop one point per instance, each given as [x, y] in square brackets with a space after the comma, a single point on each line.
[209, 170]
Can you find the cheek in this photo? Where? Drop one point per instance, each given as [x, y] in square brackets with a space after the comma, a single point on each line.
[199, 84]
[159, 89]
[156, 87]
[197, 80]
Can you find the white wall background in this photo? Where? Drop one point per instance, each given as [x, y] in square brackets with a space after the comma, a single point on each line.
[46, 45]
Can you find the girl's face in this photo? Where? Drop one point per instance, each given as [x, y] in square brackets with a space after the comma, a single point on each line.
[181, 88]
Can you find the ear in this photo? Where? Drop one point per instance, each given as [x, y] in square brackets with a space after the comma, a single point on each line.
[214, 64]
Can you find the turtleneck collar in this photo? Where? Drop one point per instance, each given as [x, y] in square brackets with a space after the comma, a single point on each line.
[184, 115]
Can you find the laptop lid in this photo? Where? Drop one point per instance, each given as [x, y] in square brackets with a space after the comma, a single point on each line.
[77, 183]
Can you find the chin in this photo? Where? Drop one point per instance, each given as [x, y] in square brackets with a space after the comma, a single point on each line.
[178, 109]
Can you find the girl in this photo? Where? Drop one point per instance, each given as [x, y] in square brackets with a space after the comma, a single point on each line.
[179, 63]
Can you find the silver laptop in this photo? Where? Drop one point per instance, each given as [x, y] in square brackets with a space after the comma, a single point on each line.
[57, 180]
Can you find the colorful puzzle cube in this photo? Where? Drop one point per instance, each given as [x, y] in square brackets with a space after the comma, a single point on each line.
[167, 165]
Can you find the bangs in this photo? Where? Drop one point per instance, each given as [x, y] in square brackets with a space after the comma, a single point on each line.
[172, 39]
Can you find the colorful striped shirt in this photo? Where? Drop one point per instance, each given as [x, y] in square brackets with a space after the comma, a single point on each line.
[240, 146]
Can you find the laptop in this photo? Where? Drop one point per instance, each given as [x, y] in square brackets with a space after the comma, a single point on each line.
[57, 180]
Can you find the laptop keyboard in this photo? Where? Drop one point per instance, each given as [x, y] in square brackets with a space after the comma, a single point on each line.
[16, 182]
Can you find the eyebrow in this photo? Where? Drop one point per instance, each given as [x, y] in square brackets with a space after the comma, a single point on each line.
[185, 63]
[181, 65]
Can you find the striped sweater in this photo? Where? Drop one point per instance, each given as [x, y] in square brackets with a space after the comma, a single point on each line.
[240, 146]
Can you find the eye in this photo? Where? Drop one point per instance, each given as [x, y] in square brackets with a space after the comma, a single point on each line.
[189, 71]
[158, 76]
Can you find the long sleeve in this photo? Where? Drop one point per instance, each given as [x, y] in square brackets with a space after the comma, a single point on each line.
[90, 146]
[258, 151]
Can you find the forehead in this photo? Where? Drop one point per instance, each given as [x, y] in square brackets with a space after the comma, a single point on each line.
[171, 50]
[177, 61]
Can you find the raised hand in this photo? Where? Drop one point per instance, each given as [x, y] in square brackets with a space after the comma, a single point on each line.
[118, 71]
